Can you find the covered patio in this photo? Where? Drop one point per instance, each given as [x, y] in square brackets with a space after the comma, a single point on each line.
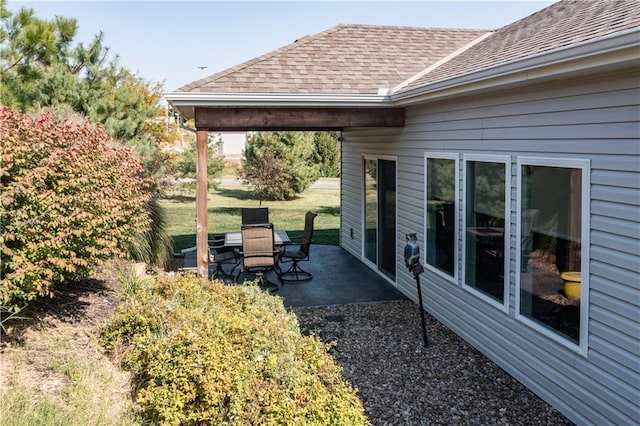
[253, 118]
[339, 79]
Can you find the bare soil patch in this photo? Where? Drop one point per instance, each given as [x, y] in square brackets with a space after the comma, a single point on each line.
[67, 324]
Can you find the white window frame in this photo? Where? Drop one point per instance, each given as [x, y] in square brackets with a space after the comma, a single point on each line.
[456, 249]
[506, 160]
[566, 163]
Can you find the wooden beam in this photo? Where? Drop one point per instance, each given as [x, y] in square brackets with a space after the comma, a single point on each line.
[247, 119]
[202, 243]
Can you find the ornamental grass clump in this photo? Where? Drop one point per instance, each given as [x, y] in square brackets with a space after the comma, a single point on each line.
[205, 353]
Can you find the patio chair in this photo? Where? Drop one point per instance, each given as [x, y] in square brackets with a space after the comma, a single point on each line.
[254, 215]
[220, 255]
[258, 255]
[296, 253]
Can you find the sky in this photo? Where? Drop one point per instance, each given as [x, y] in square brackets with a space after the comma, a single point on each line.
[178, 42]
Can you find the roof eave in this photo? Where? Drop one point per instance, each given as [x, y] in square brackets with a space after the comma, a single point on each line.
[609, 51]
[185, 102]
[615, 50]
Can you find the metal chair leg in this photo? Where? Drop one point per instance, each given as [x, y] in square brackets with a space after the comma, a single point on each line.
[295, 273]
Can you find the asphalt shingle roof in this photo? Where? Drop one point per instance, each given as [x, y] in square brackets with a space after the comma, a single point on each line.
[561, 24]
[346, 59]
[360, 59]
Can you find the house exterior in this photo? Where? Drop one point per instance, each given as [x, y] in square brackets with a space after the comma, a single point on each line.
[231, 144]
[514, 155]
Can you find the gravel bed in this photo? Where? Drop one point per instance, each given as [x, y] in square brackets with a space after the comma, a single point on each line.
[401, 382]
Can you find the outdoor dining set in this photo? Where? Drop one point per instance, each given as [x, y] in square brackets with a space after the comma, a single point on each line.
[255, 251]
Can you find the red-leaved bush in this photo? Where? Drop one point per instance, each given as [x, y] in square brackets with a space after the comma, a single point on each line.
[70, 199]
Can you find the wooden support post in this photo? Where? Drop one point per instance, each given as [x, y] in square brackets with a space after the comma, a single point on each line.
[202, 244]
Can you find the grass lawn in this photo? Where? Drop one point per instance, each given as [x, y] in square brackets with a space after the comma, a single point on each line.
[224, 206]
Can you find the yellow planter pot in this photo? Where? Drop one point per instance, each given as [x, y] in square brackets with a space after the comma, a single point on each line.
[572, 282]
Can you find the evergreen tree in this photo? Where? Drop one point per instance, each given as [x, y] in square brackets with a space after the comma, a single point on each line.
[279, 165]
[327, 153]
[41, 67]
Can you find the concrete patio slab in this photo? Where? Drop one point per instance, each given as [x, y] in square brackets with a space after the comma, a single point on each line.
[338, 278]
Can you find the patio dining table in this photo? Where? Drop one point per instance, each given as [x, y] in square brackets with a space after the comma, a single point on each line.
[234, 239]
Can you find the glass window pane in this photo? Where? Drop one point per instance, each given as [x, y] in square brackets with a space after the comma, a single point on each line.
[387, 217]
[440, 238]
[371, 210]
[550, 247]
[485, 206]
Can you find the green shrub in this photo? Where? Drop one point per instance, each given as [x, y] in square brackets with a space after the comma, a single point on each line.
[205, 353]
[279, 165]
[70, 199]
[183, 164]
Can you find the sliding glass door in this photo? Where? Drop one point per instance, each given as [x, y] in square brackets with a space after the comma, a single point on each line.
[380, 214]
[371, 210]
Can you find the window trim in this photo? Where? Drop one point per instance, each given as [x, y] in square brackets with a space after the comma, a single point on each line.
[455, 279]
[566, 163]
[506, 160]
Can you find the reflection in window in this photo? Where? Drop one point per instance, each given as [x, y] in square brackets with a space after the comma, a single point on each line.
[380, 214]
[484, 221]
[441, 193]
[371, 210]
[551, 221]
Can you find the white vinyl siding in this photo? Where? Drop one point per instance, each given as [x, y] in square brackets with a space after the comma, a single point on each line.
[594, 119]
